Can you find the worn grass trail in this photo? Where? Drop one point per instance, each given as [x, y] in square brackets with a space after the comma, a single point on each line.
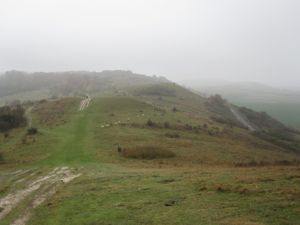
[72, 145]
[69, 147]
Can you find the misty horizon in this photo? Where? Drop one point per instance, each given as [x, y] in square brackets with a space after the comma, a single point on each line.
[189, 83]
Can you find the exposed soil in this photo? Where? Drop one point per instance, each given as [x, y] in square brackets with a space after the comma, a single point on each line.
[44, 187]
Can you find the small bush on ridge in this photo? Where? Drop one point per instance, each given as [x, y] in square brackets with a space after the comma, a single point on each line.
[147, 152]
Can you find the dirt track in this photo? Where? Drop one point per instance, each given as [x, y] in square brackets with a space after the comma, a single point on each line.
[41, 188]
[85, 103]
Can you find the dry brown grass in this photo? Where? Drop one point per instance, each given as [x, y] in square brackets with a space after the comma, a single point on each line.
[267, 163]
[54, 112]
[172, 135]
[147, 152]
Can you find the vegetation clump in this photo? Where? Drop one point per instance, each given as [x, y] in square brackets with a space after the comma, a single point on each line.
[11, 117]
[150, 123]
[172, 135]
[32, 131]
[147, 152]
[166, 125]
[229, 189]
[254, 163]
[1, 157]
[158, 90]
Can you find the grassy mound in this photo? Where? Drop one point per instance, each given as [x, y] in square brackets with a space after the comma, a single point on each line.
[147, 152]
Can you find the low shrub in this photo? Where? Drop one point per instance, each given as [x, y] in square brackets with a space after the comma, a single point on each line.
[1, 158]
[43, 101]
[286, 163]
[172, 135]
[147, 152]
[166, 125]
[267, 163]
[221, 188]
[32, 131]
[24, 140]
[11, 117]
[251, 163]
[229, 189]
[119, 149]
[150, 123]
[188, 127]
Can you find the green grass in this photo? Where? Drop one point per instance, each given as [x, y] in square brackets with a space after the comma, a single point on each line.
[92, 136]
[200, 185]
[176, 198]
[72, 147]
[54, 145]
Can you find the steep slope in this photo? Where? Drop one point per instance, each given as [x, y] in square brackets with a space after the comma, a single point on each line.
[263, 125]
[282, 104]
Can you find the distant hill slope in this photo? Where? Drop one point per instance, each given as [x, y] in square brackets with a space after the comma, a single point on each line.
[282, 104]
[252, 91]
[68, 83]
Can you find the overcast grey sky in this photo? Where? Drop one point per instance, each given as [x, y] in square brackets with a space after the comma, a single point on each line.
[252, 40]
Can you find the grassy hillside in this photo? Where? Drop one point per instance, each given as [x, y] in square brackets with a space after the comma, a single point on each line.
[282, 104]
[170, 95]
[216, 174]
[288, 113]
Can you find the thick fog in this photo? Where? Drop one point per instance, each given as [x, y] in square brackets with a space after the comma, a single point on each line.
[257, 40]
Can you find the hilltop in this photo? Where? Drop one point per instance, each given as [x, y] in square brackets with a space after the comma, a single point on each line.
[33, 86]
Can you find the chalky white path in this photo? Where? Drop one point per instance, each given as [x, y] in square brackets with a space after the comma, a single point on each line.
[85, 103]
[46, 185]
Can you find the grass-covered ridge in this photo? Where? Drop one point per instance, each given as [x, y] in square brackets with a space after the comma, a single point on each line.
[211, 174]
